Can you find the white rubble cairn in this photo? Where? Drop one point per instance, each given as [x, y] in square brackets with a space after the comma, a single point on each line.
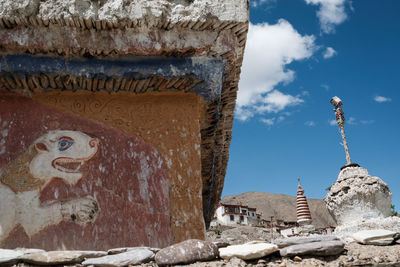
[379, 237]
[248, 251]
[357, 196]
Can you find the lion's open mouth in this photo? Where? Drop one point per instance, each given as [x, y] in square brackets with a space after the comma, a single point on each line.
[67, 165]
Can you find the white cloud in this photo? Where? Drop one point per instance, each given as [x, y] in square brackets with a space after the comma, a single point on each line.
[272, 121]
[310, 123]
[276, 101]
[332, 122]
[330, 13]
[268, 122]
[367, 121]
[329, 52]
[269, 49]
[352, 121]
[243, 114]
[325, 86]
[280, 118]
[305, 93]
[255, 3]
[382, 99]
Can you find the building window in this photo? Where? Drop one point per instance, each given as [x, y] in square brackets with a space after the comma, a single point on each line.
[232, 218]
[241, 218]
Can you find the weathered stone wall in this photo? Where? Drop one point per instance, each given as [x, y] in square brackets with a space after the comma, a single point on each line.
[218, 31]
[164, 72]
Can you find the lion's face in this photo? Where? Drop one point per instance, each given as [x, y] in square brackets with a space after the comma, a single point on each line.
[62, 154]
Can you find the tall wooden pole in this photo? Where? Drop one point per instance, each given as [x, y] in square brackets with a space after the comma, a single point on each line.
[337, 103]
[346, 148]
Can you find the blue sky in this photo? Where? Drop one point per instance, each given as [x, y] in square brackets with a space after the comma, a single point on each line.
[299, 54]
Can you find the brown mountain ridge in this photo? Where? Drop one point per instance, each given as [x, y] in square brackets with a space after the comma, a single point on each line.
[281, 207]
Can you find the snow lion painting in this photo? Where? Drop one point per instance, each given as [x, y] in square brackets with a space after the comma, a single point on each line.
[56, 154]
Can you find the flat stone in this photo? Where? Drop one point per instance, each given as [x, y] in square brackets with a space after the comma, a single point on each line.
[120, 250]
[133, 256]
[285, 242]
[116, 251]
[323, 248]
[248, 251]
[186, 252]
[379, 237]
[29, 250]
[9, 255]
[221, 244]
[60, 257]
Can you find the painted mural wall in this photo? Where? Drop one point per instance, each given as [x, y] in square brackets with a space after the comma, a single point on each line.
[94, 171]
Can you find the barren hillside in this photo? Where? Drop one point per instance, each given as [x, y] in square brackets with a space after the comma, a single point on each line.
[281, 207]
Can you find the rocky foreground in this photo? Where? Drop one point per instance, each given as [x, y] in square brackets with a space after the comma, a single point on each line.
[366, 248]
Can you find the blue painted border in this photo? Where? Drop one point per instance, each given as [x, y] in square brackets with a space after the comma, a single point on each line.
[208, 69]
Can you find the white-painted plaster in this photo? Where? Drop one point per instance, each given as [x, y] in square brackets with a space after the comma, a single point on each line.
[52, 161]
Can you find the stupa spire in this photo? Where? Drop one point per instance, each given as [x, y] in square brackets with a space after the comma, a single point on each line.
[303, 211]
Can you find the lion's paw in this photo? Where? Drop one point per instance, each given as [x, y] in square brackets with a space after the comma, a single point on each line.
[81, 210]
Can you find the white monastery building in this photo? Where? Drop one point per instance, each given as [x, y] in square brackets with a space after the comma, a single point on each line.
[228, 214]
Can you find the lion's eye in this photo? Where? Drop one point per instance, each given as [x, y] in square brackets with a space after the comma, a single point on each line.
[64, 144]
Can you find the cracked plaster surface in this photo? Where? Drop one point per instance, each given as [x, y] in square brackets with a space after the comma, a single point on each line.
[114, 10]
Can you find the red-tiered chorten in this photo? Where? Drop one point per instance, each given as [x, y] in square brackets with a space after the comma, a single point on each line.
[303, 211]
